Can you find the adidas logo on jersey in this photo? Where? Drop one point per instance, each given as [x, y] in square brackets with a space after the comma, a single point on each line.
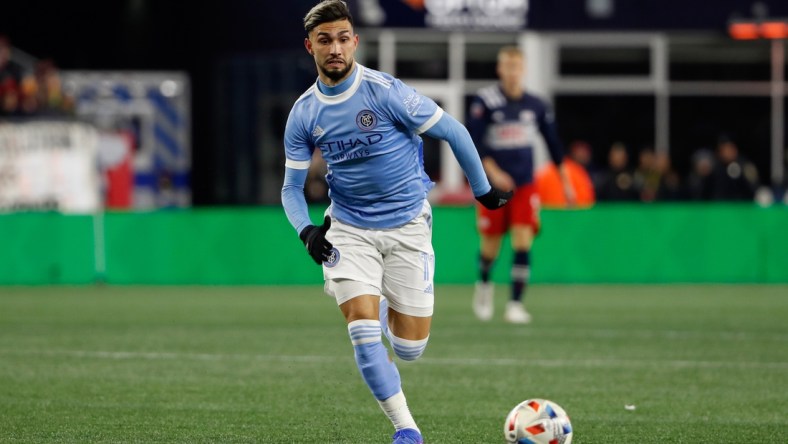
[429, 290]
[317, 132]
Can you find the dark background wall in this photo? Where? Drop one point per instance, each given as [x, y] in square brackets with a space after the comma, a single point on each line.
[209, 39]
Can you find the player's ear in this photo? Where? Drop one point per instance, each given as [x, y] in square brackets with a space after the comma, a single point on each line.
[308, 46]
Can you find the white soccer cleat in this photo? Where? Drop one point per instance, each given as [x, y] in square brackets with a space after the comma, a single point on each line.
[516, 314]
[483, 301]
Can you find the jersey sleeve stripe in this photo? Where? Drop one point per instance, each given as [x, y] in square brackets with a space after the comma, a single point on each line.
[372, 76]
[298, 164]
[431, 121]
[375, 80]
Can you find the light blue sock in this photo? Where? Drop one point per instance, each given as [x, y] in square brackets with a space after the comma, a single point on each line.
[408, 350]
[380, 373]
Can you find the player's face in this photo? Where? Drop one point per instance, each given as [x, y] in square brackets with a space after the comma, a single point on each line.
[511, 69]
[333, 45]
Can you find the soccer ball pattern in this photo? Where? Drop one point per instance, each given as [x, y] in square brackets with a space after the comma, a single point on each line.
[537, 421]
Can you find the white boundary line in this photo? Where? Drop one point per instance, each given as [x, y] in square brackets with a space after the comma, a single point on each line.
[472, 362]
[640, 334]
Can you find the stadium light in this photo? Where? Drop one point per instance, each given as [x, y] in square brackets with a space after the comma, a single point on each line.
[743, 30]
[772, 29]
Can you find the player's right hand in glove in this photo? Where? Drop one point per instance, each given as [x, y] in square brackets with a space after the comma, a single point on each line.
[314, 238]
[495, 198]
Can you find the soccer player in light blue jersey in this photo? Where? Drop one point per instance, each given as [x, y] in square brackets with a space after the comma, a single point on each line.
[375, 243]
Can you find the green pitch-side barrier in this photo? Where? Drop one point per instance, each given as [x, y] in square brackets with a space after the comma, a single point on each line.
[606, 244]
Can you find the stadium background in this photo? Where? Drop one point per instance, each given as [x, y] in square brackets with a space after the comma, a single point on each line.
[241, 65]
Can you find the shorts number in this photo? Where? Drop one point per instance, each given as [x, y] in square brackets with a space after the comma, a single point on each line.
[427, 259]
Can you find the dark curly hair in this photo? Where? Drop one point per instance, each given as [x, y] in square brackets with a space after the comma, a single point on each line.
[326, 11]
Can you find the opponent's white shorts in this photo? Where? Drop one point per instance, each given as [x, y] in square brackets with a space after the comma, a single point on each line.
[397, 263]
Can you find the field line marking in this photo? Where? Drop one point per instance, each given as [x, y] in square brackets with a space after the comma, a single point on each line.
[682, 335]
[501, 362]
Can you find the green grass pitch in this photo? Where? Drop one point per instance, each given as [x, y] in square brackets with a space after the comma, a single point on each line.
[702, 364]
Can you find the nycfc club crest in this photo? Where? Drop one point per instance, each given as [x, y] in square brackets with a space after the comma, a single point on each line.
[366, 120]
[333, 259]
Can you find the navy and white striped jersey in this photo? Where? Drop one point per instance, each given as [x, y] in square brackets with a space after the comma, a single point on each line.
[506, 130]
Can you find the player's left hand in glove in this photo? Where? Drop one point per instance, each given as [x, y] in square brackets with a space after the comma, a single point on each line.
[495, 198]
[314, 238]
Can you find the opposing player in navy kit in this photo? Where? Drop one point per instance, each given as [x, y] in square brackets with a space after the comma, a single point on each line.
[504, 121]
[375, 243]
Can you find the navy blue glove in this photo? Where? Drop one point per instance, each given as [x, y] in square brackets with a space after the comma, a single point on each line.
[495, 198]
[314, 238]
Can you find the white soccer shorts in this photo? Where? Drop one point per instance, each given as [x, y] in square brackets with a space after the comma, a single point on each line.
[397, 263]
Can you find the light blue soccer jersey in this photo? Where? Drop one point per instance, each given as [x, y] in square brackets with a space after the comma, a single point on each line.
[367, 129]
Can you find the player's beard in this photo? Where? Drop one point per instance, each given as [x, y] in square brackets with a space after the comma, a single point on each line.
[337, 74]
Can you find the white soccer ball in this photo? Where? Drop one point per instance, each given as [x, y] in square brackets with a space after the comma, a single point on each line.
[537, 421]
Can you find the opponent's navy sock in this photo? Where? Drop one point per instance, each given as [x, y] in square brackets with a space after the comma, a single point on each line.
[485, 267]
[521, 272]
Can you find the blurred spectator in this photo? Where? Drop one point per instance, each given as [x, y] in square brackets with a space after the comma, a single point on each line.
[8, 68]
[646, 175]
[580, 152]
[670, 186]
[550, 187]
[50, 96]
[617, 183]
[36, 93]
[10, 79]
[28, 98]
[734, 177]
[9, 97]
[699, 181]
